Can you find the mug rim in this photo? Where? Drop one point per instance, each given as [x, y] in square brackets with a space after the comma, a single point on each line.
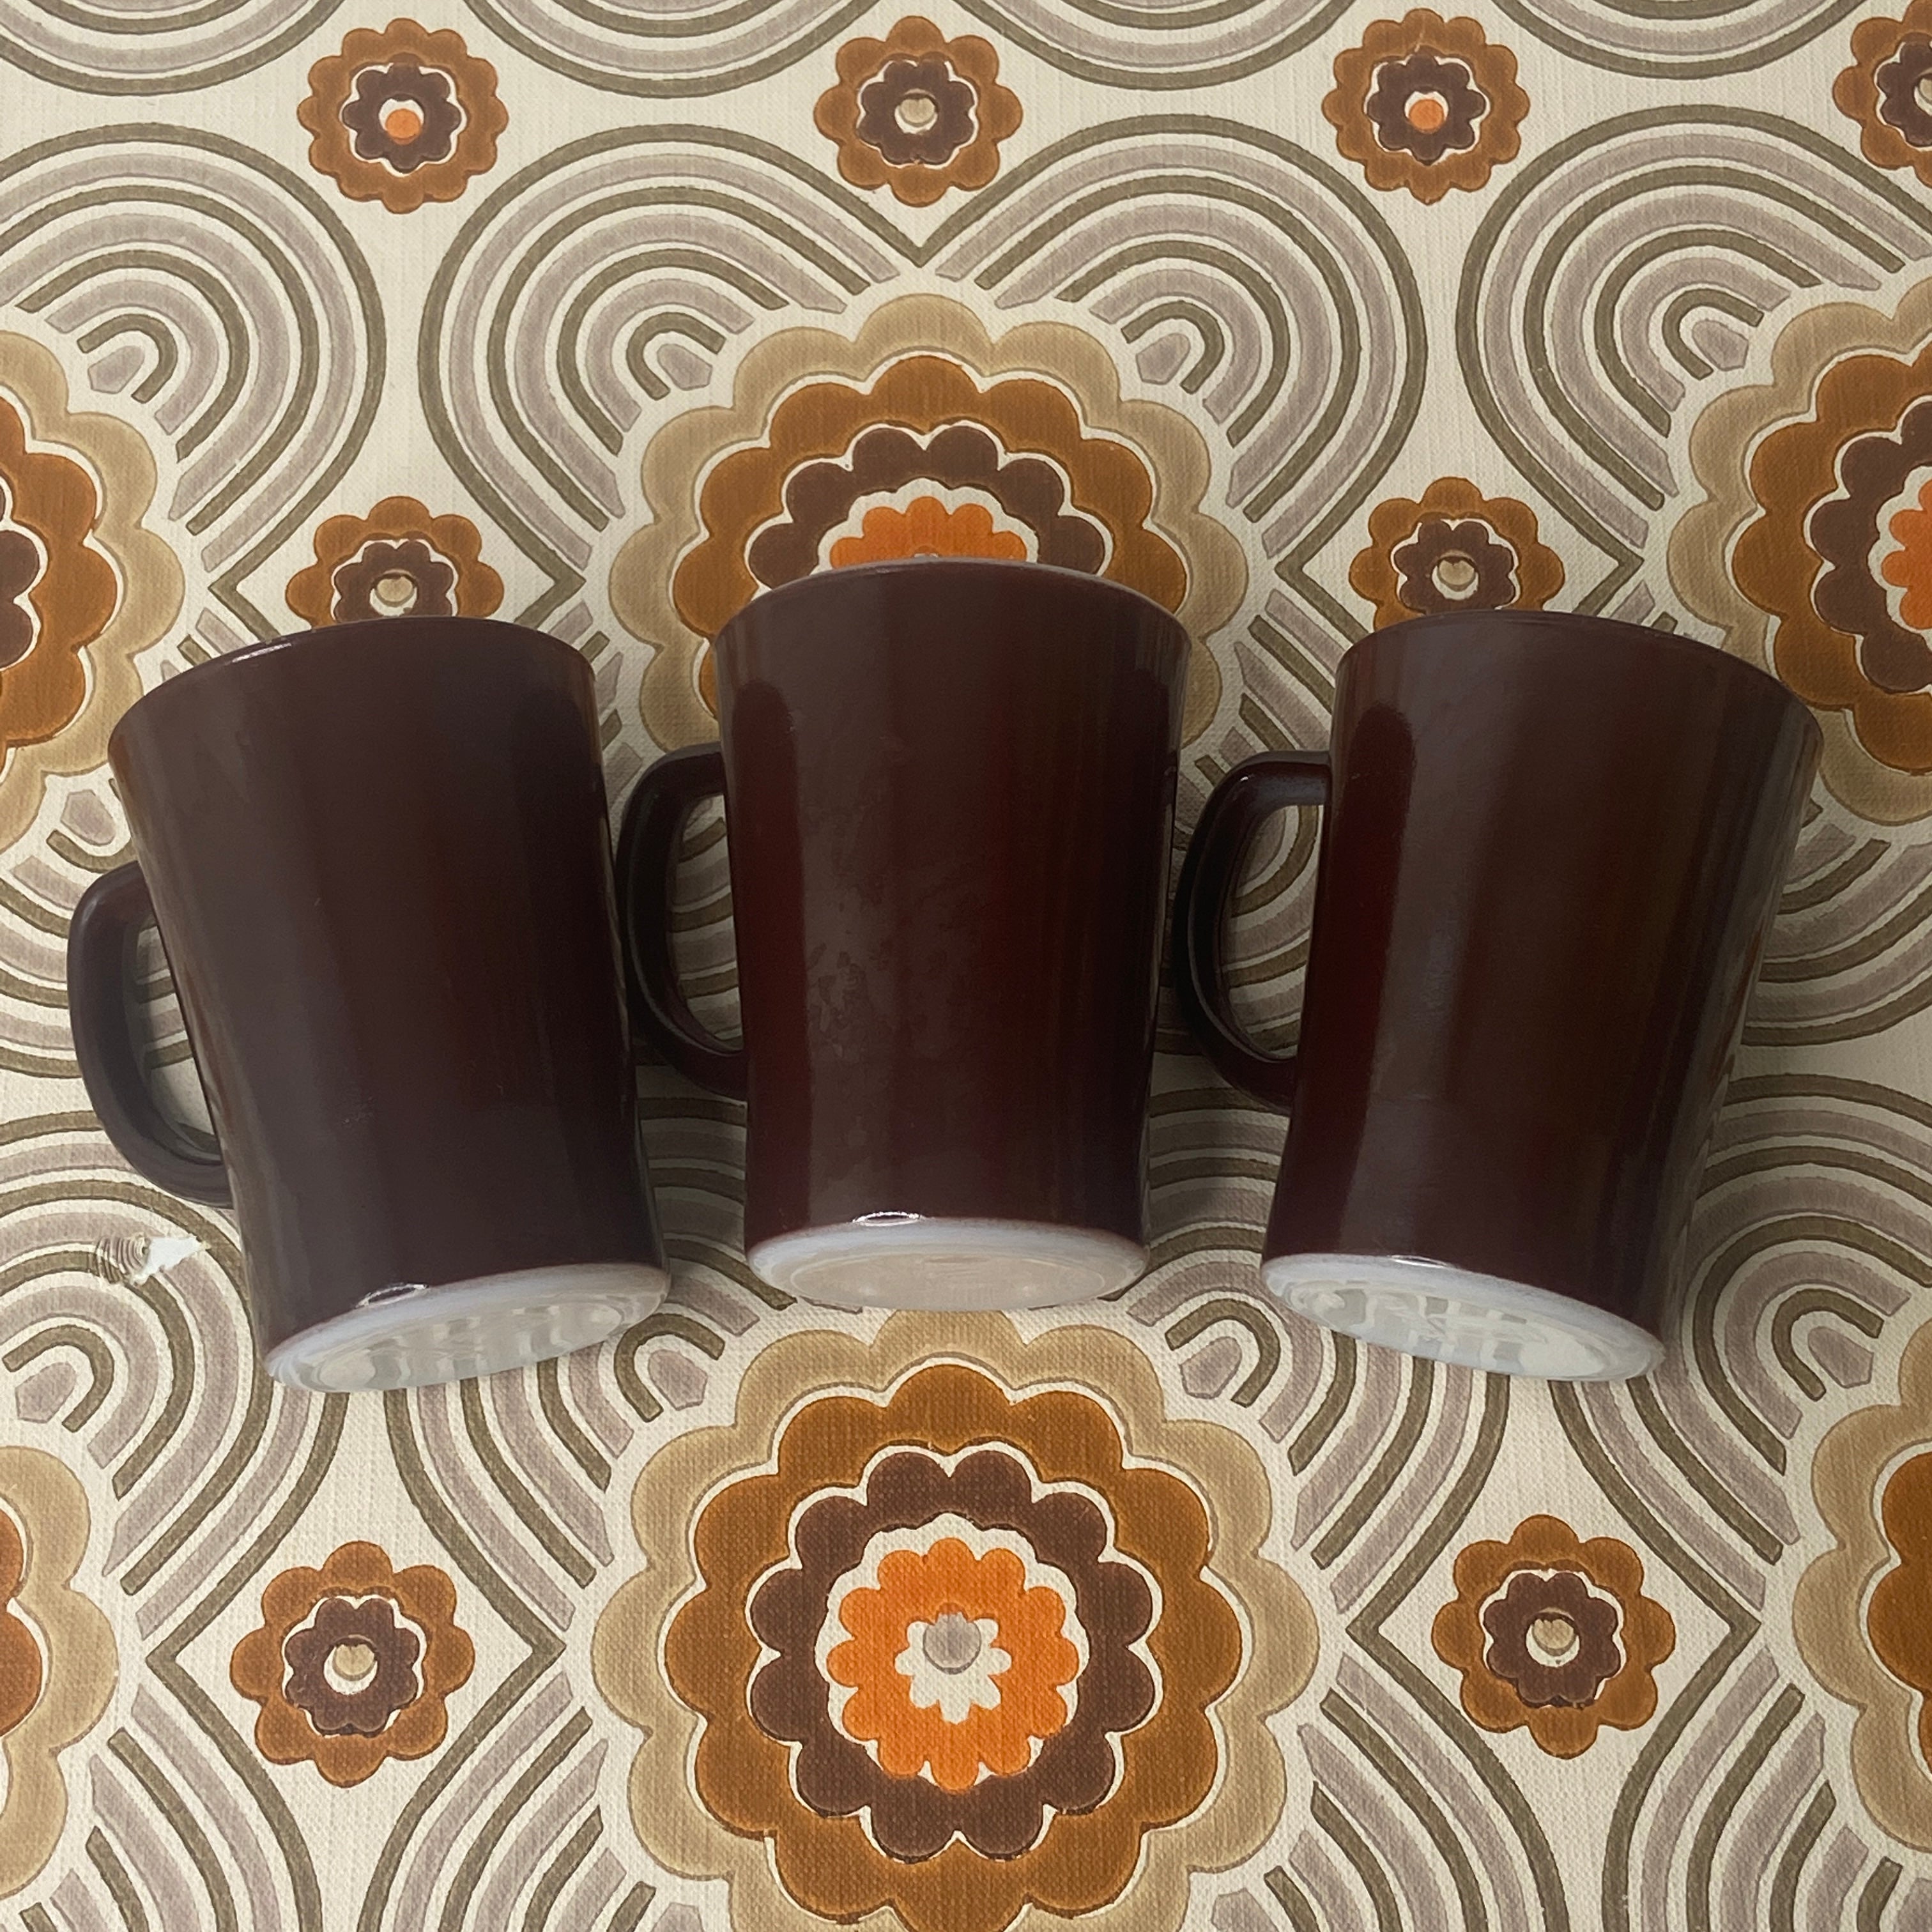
[1638, 636]
[264, 649]
[973, 566]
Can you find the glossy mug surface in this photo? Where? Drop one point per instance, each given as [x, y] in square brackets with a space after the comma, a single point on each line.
[1551, 855]
[949, 790]
[379, 859]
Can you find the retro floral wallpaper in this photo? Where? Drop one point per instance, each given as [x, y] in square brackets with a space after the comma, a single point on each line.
[1300, 317]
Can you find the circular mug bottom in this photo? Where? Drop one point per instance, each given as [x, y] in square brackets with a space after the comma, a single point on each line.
[412, 1335]
[1475, 1321]
[915, 1261]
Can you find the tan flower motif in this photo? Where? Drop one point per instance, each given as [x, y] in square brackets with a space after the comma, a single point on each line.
[83, 587]
[1427, 104]
[1554, 1634]
[398, 561]
[1812, 549]
[1858, 1613]
[1454, 550]
[57, 1655]
[918, 113]
[921, 433]
[957, 1639]
[1887, 89]
[352, 1663]
[402, 117]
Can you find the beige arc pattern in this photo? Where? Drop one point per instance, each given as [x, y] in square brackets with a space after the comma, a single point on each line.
[571, 311]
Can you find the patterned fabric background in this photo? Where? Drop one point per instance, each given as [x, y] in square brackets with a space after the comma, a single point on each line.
[1300, 316]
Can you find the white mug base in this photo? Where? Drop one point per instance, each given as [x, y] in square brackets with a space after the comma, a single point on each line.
[910, 1261]
[1475, 1321]
[412, 1335]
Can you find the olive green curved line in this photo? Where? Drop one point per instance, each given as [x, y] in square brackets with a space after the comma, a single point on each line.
[631, 1908]
[1802, 896]
[1865, 1025]
[114, 1876]
[1215, 1100]
[1747, 1090]
[584, 1452]
[1366, 1629]
[95, 20]
[1792, 1309]
[1354, 1848]
[42, 919]
[1198, 1237]
[1858, 952]
[561, 1870]
[695, 26]
[168, 1801]
[1187, 1164]
[1212, 350]
[544, 1648]
[1624, 560]
[77, 855]
[718, 81]
[1277, 644]
[1724, 1800]
[1653, 248]
[1653, 183]
[212, 290]
[1770, 1160]
[1529, 16]
[682, 195]
[1335, 1399]
[1724, 1504]
[531, 1514]
[1688, 301]
[1741, 1626]
[1376, 1485]
[99, 1363]
[75, 79]
[1356, 1726]
[39, 1126]
[1260, 290]
[1243, 1315]
[463, 1887]
[1143, 20]
[1877, 1894]
[1791, 1865]
[1144, 81]
[35, 1919]
[671, 1323]
[630, 1383]
[32, 993]
[667, 322]
[1292, 1900]
[131, 321]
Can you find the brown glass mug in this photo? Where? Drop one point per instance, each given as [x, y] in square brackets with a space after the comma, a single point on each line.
[379, 858]
[1551, 854]
[948, 797]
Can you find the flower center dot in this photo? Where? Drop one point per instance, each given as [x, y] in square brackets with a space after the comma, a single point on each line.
[395, 592]
[1455, 575]
[402, 122]
[351, 1662]
[1554, 1636]
[1426, 112]
[916, 113]
[952, 1642]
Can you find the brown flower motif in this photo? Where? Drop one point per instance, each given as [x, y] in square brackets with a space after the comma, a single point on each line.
[21, 1673]
[922, 436]
[1454, 550]
[402, 117]
[397, 561]
[1427, 104]
[918, 113]
[1556, 1634]
[1887, 89]
[352, 1663]
[960, 1640]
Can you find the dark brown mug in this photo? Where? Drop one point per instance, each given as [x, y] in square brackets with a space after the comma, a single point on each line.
[948, 797]
[1551, 854]
[379, 858]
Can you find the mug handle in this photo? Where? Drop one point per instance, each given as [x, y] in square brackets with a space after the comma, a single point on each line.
[647, 849]
[99, 960]
[1269, 782]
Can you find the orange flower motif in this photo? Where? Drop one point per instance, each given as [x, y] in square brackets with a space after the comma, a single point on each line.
[352, 1663]
[1897, 1619]
[1454, 550]
[1554, 1634]
[1909, 568]
[21, 1675]
[402, 117]
[926, 527]
[1886, 88]
[918, 113]
[929, 1615]
[398, 561]
[1427, 104]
